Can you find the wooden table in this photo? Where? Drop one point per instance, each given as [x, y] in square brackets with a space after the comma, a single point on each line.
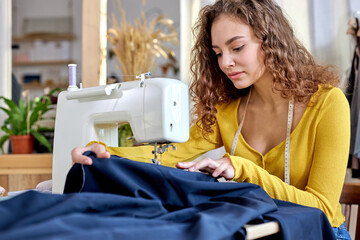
[262, 230]
[24, 171]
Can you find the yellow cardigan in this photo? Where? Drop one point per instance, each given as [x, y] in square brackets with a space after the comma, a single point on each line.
[318, 154]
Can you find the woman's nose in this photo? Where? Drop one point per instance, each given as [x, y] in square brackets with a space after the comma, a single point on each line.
[227, 60]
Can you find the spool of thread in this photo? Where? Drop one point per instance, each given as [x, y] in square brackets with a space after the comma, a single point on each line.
[72, 77]
[72, 74]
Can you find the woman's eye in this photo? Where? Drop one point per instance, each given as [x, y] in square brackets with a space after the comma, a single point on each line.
[239, 48]
[216, 51]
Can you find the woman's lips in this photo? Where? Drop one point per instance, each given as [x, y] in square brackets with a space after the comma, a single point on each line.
[235, 75]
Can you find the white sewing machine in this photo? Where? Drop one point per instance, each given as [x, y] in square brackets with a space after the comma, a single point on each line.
[156, 108]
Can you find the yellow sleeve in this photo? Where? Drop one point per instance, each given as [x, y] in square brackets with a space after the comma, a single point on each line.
[187, 151]
[328, 166]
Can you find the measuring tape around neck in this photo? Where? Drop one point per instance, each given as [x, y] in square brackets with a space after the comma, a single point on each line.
[287, 142]
[234, 143]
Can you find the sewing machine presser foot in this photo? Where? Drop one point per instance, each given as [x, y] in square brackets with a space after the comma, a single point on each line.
[160, 150]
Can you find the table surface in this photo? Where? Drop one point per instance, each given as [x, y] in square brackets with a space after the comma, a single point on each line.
[255, 231]
[26, 163]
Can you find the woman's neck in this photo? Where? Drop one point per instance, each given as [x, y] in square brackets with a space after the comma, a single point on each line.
[263, 94]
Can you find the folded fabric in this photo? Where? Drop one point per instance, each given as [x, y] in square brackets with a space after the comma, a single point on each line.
[118, 198]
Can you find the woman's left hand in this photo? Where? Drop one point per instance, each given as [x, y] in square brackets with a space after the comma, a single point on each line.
[221, 167]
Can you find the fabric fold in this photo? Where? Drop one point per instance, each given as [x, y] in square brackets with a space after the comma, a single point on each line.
[118, 198]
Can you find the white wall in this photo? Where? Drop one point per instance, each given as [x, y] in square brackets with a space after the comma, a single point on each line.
[5, 48]
[298, 14]
[188, 13]
[321, 26]
[5, 53]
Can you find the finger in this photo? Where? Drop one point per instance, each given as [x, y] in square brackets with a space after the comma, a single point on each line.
[188, 165]
[184, 165]
[78, 157]
[206, 164]
[103, 155]
[99, 150]
[86, 160]
[221, 170]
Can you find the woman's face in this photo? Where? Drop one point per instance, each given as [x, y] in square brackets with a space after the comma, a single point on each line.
[238, 51]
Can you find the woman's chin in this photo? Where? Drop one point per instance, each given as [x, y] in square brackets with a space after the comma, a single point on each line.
[241, 85]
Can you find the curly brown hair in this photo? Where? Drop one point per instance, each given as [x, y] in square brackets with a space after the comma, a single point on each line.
[296, 74]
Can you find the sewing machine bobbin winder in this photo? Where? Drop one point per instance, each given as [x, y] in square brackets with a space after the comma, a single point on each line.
[157, 110]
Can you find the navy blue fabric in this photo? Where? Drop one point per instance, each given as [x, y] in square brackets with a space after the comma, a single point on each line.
[123, 199]
[300, 222]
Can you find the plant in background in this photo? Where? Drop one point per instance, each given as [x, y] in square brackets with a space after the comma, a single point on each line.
[23, 119]
[136, 46]
[125, 135]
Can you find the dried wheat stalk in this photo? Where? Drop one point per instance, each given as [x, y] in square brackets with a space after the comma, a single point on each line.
[137, 45]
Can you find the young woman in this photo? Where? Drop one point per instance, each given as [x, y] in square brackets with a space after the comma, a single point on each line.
[259, 93]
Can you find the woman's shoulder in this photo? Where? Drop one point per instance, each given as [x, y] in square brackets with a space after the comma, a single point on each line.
[330, 95]
[329, 92]
[228, 106]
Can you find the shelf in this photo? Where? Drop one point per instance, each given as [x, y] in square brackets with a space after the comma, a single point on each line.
[30, 86]
[44, 37]
[26, 164]
[39, 63]
[24, 171]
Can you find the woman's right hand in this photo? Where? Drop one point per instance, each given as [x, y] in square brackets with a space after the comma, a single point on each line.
[78, 157]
